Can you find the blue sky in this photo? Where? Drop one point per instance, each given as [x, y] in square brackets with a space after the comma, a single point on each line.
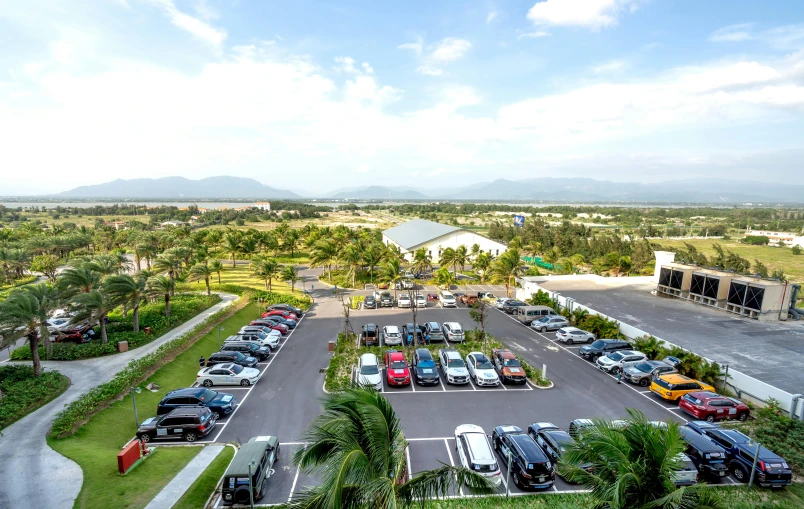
[313, 96]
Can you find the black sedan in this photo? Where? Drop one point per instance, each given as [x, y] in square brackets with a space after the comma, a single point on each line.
[370, 302]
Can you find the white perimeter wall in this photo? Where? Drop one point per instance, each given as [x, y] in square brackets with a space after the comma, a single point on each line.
[747, 387]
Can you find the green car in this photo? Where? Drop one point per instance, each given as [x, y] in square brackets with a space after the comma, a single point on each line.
[257, 457]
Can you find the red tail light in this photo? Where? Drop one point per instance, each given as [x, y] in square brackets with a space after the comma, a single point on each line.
[761, 465]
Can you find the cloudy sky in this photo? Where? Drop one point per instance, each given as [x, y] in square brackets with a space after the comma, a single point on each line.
[317, 95]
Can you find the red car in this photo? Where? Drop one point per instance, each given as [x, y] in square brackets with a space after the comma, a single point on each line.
[280, 312]
[708, 406]
[396, 368]
[271, 325]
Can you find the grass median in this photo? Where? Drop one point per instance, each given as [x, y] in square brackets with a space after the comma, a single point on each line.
[202, 488]
[96, 444]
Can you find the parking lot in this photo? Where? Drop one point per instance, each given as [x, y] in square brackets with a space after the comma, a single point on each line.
[285, 400]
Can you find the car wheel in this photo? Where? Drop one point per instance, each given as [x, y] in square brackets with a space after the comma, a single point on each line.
[644, 382]
[569, 341]
[517, 481]
[590, 341]
[743, 416]
[216, 415]
[207, 383]
[710, 418]
[543, 330]
[739, 473]
[245, 383]
[146, 438]
[190, 436]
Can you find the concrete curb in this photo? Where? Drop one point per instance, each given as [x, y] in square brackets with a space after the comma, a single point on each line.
[541, 388]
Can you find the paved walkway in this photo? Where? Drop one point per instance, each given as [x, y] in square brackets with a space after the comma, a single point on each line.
[176, 488]
[33, 474]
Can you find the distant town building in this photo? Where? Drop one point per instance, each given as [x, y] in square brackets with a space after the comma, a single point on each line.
[117, 225]
[263, 205]
[172, 222]
[788, 239]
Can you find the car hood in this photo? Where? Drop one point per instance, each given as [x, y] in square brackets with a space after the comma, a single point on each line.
[513, 371]
[457, 371]
[634, 371]
[371, 379]
[486, 373]
[588, 348]
[426, 372]
[399, 372]
[249, 373]
[148, 423]
[222, 399]
[605, 360]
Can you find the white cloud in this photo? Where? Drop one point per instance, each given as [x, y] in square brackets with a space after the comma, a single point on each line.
[435, 55]
[491, 16]
[195, 26]
[732, 33]
[346, 64]
[787, 37]
[593, 14]
[533, 35]
[612, 66]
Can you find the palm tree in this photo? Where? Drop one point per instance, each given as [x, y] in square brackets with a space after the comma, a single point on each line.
[474, 251]
[482, 263]
[357, 449]
[533, 249]
[444, 278]
[291, 275]
[201, 271]
[94, 305]
[633, 466]
[373, 254]
[217, 267]
[269, 241]
[160, 286]
[168, 262]
[147, 251]
[324, 254]
[461, 256]
[508, 266]
[265, 269]
[290, 241]
[391, 273]
[352, 258]
[214, 238]
[422, 261]
[248, 246]
[75, 280]
[26, 310]
[126, 289]
[231, 243]
[448, 258]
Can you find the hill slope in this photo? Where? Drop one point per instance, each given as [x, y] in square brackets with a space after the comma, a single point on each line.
[179, 187]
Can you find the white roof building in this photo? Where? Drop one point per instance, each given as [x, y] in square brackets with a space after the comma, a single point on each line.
[435, 237]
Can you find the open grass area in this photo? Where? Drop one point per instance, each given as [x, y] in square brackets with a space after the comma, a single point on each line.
[83, 220]
[773, 257]
[241, 276]
[23, 393]
[96, 444]
[202, 488]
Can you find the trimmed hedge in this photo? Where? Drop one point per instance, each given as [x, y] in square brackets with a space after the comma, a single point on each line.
[269, 298]
[78, 412]
[182, 308]
[24, 393]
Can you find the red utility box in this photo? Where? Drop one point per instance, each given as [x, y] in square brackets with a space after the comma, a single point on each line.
[128, 456]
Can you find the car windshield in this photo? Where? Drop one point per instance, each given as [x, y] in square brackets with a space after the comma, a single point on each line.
[644, 367]
[455, 363]
[615, 356]
[236, 369]
[239, 356]
[369, 369]
[208, 395]
[398, 365]
[598, 344]
[426, 363]
[482, 363]
[545, 319]
[511, 363]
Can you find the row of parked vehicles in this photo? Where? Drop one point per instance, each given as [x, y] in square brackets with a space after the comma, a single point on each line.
[372, 334]
[422, 368]
[191, 413]
[444, 298]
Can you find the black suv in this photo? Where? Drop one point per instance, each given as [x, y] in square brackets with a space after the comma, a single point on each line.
[370, 302]
[286, 307]
[602, 347]
[188, 423]
[511, 305]
[246, 348]
[553, 440]
[709, 458]
[386, 300]
[530, 467]
[370, 335]
[219, 402]
[772, 470]
[232, 357]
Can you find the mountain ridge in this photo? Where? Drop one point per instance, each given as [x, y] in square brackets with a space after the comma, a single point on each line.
[179, 188]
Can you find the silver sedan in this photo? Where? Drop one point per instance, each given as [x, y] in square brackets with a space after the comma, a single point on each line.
[550, 322]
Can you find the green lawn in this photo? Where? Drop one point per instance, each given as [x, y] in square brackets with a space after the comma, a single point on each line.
[241, 276]
[96, 444]
[773, 257]
[206, 483]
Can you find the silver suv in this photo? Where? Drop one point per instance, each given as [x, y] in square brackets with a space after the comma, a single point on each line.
[643, 372]
[620, 360]
[547, 323]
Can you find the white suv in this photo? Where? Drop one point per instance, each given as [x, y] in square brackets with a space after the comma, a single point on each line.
[452, 366]
[452, 331]
[475, 452]
[391, 335]
[447, 299]
[620, 360]
[368, 371]
[403, 301]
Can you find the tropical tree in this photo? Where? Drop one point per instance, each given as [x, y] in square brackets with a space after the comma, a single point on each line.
[422, 261]
[461, 256]
[79, 279]
[482, 264]
[324, 254]
[217, 267]
[265, 269]
[201, 271]
[269, 241]
[290, 241]
[391, 273]
[231, 243]
[147, 251]
[633, 466]
[291, 275]
[352, 258]
[248, 246]
[47, 265]
[94, 306]
[444, 278]
[25, 312]
[448, 258]
[169, 263]
[474, 251]
[160, 286]
[123, 288]
[508, 266]
[357, 450]
[373, 255]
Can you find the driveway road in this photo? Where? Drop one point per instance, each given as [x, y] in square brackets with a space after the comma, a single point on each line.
[26, 457]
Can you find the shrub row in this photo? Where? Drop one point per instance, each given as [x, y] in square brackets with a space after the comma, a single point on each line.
[78, 412]
[182, 308]
[6, 289]
[356, 300]
[269, 298]
[24, 393]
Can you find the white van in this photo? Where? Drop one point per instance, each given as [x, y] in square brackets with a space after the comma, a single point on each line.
[527, 314]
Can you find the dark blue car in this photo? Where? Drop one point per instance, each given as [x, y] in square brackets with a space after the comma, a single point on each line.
[291, 324]
[219, 403]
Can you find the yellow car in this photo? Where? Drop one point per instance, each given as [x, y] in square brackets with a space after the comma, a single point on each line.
[672, 386]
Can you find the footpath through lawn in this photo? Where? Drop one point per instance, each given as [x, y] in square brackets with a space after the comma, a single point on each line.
[96, 444]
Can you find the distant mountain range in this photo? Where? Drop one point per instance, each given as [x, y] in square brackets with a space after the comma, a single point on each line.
[179, 188]
[569, 190]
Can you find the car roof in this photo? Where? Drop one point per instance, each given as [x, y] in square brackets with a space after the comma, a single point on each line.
[392, 328]
[676, 378]
[698, 441]
[368, 358]
[451, 324]
[451, 352]
[539, 426]
[423, 352]
[394, 356]
[528, 447]
[508, 428]
[479, 445]
[190, 391]
[506, 354]
[434, 325]
[188, 410]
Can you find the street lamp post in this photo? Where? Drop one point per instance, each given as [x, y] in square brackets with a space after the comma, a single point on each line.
[135, 390]
[250, 485]
[220, 328]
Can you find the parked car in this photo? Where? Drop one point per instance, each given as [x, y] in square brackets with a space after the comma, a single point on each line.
[420, 301]
[572, 335]
[403, 300]
[709, 406]
[391, 335]
[673, 386]
[256, 458]
[687, 473]
[228, 374]
[500, 302]
[368, 371]
[511, 305]
[58, 324]
[453, 367]
[383, 286]
[481, 370]
[247, 348]
[272, 336]
[469, 300]
[370, 302]
[288, 322]
[487, 296]
[447, 299]
[407, 284]
[370, 335]
[508, 367]
[433, 297]
[553, 441]
[287, 307]
[547, 323]
[386, 300]
[397, 372]
[220, 403]
[246, 361]
[271, 324]
[643, 372]
[528, 314]
[424, 368]
[772, 470]
[280, 312]
[708, 456]
[452, 331]
[615, 362]
[602, 347]
[530, 466]
[475, 453]
[415, 332]
[185, 423]
[254, 336]
[433, 329]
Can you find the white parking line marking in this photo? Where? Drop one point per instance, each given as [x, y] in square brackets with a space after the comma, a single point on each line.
[295, 479]
[449, 453]
[428, 438]
[295, 443]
